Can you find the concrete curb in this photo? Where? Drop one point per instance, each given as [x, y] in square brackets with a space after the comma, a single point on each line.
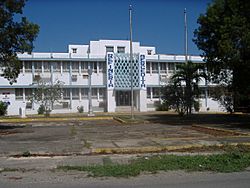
[26, 120]
[221, 130]
[156, 149]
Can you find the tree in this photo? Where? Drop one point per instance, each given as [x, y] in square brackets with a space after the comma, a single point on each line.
[188, 76]
[46, 94]
[224, 37]
[15, 37]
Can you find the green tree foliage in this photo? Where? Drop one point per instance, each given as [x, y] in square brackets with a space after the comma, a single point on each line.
[183, 89]
[15, 37]
[224, 37]
[46, 94]
[3, 108]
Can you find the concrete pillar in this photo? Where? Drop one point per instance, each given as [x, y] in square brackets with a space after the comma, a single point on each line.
[111, 104]
[143, 100]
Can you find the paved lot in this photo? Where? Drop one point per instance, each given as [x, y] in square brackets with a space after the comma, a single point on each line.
[82, 137]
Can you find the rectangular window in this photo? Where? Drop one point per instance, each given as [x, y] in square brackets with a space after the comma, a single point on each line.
[38, 67]
[149, 93]
[163, 68]
[154, 67]
[156, 92]
[93, 65]
[19, 93]
[84, 93]
[66, 93]
[46, 66]
[171, 67]
[74, 50]
[28, 94]
[120, 50]
[75, 93]
[148, 67]
[28, 66]
[101, 93]
[109, 49]
[75, 66]
[57, 66]
[94, 93]
[149, 52]
[84, 67]
[102, 67]
[66, 66]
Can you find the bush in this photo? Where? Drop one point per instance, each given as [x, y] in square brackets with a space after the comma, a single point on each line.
[196, 106]
[80, 109]
[162, 107]
[41, 109]
[3, 108]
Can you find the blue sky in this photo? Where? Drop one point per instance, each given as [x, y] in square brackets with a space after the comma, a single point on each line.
[157, 23]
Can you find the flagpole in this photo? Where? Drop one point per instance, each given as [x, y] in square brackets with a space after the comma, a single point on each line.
[131, 62]
[186, 35]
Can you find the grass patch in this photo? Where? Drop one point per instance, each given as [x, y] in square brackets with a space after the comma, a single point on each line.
[227, 162]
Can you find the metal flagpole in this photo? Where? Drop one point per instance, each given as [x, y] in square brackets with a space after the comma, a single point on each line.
[186, 35]
[131, 63]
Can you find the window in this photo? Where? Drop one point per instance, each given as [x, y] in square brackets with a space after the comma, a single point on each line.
[149, 93]
[156, 92]
[154, 67]
[66, 66]
[94, 93]
[75, 93]
[101, 93]
[84, 93]
[102, 67]
[163, 67]
[28, 66]
[28, 94]
[66, 93]
[46, 66]
[148, 67]
[19, 93]
[84, 67]
[120, 50]
[171, 67]
[75, 66]
[38, 66]
[74, 50]
[93, 65]
[109, 49]
[149, 52]
[57, 66]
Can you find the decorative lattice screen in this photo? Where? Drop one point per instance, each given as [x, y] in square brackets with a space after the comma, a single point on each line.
[122, 71]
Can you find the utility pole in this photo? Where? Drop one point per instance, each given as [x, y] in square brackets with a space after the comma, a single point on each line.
[131, 63]
[90, 112]
[186, 35]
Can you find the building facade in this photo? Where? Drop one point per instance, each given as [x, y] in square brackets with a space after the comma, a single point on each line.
[109, 61]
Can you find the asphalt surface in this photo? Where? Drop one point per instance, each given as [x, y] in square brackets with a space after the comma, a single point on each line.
[177, 179]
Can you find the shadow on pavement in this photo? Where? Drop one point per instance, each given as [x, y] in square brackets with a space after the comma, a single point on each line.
[232, 120]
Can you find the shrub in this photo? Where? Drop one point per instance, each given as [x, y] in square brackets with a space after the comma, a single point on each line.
[41, 109]
[3, 108]
[162, 107]
[80, 109]
[196, 106]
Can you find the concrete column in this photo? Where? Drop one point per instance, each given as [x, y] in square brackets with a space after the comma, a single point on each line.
[142, 100]
[111, 104]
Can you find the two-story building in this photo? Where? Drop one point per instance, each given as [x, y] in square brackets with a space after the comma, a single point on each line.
[110, 81]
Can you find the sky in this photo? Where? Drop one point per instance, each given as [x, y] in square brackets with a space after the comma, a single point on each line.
[158, 23]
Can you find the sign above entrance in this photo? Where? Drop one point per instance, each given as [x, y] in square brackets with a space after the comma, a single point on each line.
[110, 70]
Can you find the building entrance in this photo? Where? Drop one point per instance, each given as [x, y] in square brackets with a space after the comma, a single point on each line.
[123, 98]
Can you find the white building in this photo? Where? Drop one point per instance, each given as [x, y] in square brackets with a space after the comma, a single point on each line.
[110, 80]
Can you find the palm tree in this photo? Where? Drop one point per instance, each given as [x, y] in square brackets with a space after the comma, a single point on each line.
[188, 76]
